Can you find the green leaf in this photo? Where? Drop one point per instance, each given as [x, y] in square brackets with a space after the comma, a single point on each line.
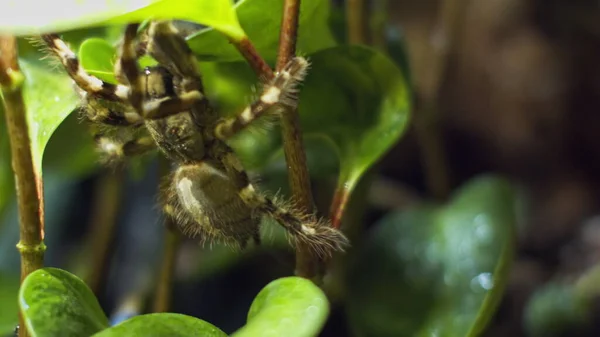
[290, 306]
[49, 99]
[359, 99]
[440, 270]
[163, 324]
[9, 313]
[55, 302]
[261, 20]
[96, 56]
[16, 16]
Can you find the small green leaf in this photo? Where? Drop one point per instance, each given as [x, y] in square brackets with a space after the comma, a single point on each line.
[16, 16]
[55, 302]
[359, 99]
[163, 324]
[261, 20]
[96, 56]
[290, 306]
[49, 99]
[9, 312]
[439, 271]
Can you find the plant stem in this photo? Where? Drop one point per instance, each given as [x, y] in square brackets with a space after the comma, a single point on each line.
[427, 122]
[28, 184]
[105, 210]
[162, 297]
[258, 64]
[293, 146]
[378, 24]
[356, 20]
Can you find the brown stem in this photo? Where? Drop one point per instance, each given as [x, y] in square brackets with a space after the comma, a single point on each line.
[427, 121]
[28, 185]
[356, 20]
[104, 218]
[338, 206]
[162, 299]
[378, 24]
[258, 64]
[293, 146]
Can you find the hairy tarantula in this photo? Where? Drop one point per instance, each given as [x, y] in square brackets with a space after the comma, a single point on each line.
[208, 194]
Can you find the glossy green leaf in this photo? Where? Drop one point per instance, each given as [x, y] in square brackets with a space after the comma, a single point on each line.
[357, 98]
[163, 324]
[16, 16]
[436, 270]
[290, 306]
[261, 20]
[49, 99]
[96, 56]
[9, 313]
[55, 302]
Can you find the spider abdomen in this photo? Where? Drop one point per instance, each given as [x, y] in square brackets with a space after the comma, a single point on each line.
[212, 203]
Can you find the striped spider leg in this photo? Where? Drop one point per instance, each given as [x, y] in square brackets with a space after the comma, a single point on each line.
[208, 194]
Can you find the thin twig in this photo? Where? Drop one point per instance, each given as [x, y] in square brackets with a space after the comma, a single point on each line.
[105, 210]
[427, 121]
[378, 23]
[256, 62]
[293, 146]
[356, 21]
[28, 184]
[162, 297]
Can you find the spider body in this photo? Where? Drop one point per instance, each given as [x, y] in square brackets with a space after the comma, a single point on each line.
[208, 194]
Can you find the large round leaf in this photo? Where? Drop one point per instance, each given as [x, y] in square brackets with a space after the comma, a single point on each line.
[163, 324]
[57, 303]
[435, 270]
[290, 306]
[58, 15]
[261, 20]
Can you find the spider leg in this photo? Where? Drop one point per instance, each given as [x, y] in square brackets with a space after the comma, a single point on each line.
[115, 149]
[318, 235]
[85, 81]
[279, 91]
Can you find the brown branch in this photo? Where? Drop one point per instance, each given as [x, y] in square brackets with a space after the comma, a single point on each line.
[162, 297]
[256, 62]
[356, 21]
[293, 146]
[28, 184]
[107, 200]
[378, 23]
[427, 121]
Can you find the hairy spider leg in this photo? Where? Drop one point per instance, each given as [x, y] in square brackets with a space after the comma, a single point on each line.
[322, 239]
[280, 90]
[89, 83]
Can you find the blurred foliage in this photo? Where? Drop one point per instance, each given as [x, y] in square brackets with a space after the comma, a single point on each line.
[440, 269]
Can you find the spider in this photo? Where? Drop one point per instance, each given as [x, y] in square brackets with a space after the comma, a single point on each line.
[208, 194]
